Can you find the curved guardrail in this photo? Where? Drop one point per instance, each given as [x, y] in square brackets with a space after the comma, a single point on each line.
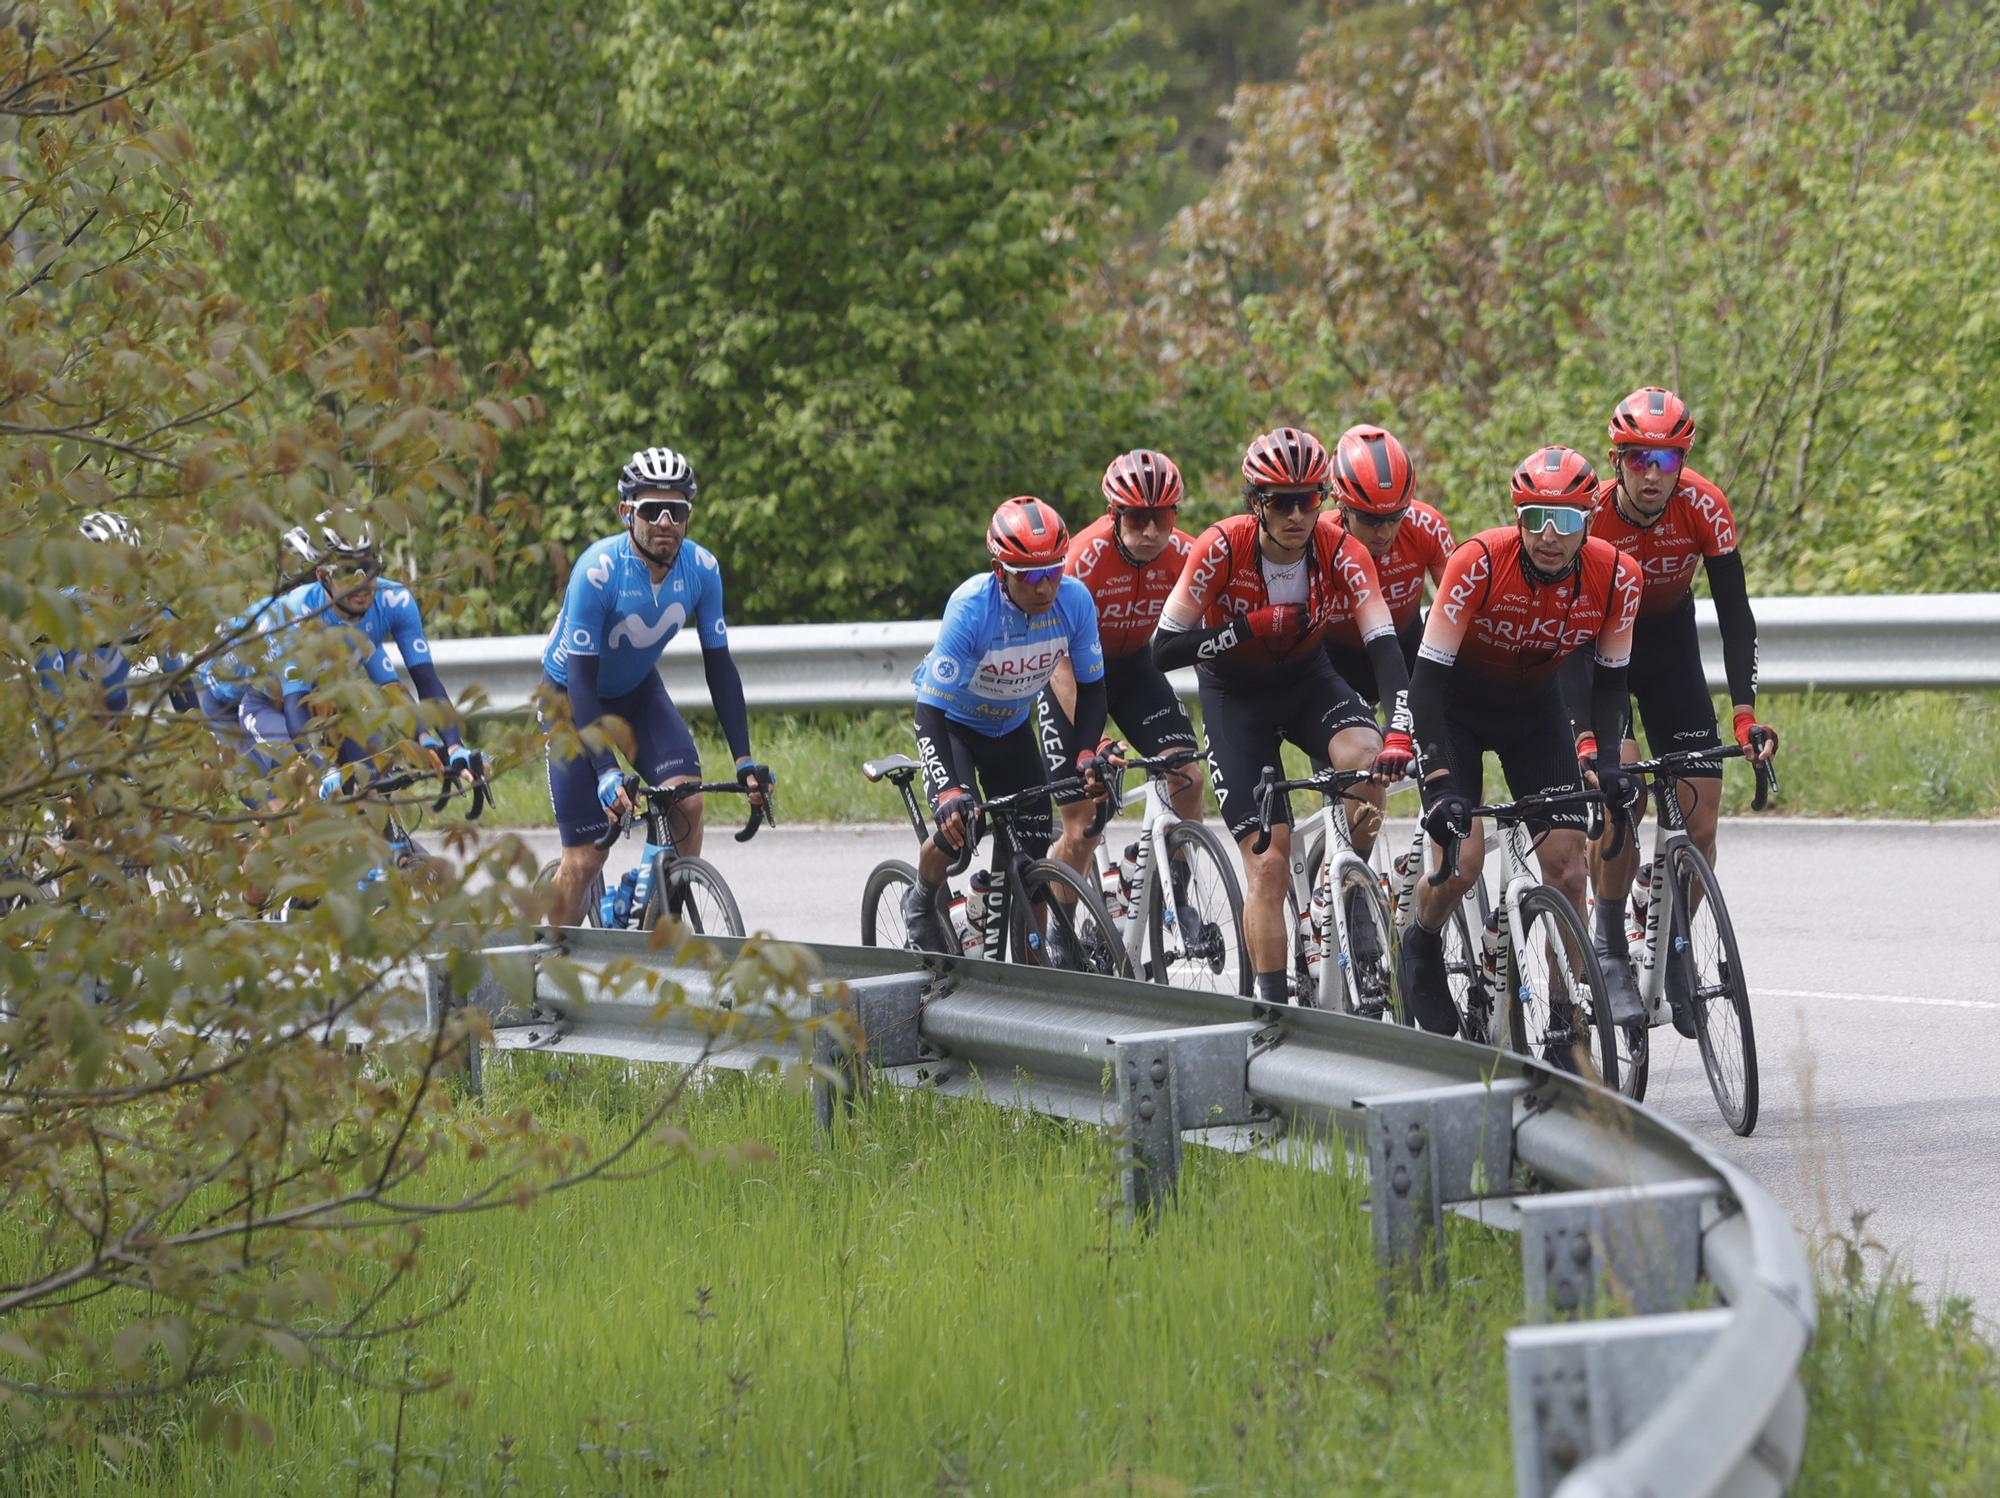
[1856, 644]
[1615, 1386]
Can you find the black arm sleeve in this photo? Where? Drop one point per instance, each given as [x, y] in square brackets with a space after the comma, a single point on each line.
[1392, 677]
[1174, 648]
[1575, 685]
[586, 707]
[1093, 705]
[1427, 683]
[430, 688]
[1608, 699]
[1737, 625]
[725, 694]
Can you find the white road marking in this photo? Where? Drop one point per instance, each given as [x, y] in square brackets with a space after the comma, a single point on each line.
[1874, 998]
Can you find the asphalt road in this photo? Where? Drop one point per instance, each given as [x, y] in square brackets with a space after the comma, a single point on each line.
[1874, 959]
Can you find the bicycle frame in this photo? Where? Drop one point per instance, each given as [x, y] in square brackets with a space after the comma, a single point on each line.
[1158, 820]
[661, 851]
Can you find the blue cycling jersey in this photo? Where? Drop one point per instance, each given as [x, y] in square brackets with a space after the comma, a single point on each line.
[230, 674]
[393, 615]
[106, 667]
[992, 660]
[615, 611]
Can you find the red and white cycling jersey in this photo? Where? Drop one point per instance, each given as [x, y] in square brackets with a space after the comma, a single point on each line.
[1502, 628]
[1224, 580]
[1128, 597]
[1423, 544]
[1697, 523]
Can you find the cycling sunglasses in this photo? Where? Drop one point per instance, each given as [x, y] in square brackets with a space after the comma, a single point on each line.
[1292, 502]
[1567, 520]
[1351, 517]
[653, 511]
[1666, 459]
[1034, 576]
[1151, 515]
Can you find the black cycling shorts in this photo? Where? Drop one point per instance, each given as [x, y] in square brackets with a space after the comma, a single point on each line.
[1351, 663]
[1003, 765]
[1245, 726]
[1531, 736]
[1667, 682]
[1141, 702]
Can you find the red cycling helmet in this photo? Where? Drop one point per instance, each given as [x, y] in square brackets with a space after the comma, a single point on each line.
[1143, 480]
[1555, 476]
[1652, 417]
[1027, 532]
[1372, 472]
[1286, 457]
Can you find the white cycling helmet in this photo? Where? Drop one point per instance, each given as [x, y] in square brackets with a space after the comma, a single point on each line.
[655, 468]
[103, 525]
[332, 539]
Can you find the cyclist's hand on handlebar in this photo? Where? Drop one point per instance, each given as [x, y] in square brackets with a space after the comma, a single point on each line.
[1759, 740]
[1586, 759]
[1095, 764]
[754, 777]
[1622, 789]
[1447, 812]
[1398, 755]
[333, 782]
[468, 766]
[951, 809]
[611, 793]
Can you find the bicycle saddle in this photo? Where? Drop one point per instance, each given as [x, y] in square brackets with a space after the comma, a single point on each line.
[895, 765]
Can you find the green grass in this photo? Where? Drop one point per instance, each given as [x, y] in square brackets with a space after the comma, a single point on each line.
[947, 1301]
[1902, 754]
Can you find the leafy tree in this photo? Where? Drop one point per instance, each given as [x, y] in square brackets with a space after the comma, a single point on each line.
[196, 1168]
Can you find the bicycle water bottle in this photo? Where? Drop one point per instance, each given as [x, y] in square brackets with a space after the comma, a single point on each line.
[1320, 923]
[1128, 873]
[1113, 889]
[1642, 891]
[979, 902]
[1491, 947]
[621, 901]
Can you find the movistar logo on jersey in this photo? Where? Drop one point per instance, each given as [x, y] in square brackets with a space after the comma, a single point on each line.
[635, 633]
[599, 571]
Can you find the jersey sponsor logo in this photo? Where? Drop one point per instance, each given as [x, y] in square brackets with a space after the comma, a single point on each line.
[420, 646]
[579, 639]
[1132, 610]
[1088, 557]
[707, 559]
[1466, 586]
[635, 633]
[1535, 631]
[944, 668]
[1205, 570]
[1017, 671]
[599, 571]
[717, 629]
[396, 598]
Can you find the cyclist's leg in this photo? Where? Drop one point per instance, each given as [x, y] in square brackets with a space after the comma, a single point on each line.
[580, 821]
[1679, 715]
[1537, 757]
[1156, 722]
[663, 753]
[1335, 721]
[1243, 732]
[1059, 750]
[1425, 986]
[1351, 665]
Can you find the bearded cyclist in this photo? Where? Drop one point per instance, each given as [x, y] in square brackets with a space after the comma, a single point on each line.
[1129, 558]
[1515, 603]
[628, 595]
[1004, 633]
[1249, 612]
[1669, 519]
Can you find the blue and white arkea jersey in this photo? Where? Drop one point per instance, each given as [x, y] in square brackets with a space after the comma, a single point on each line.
[615, 611]
[392, 616]
[992, 660]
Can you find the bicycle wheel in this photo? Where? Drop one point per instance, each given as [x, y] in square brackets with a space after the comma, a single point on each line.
[693, 892]
[1465, 979]
[882, 923]
[1558, 1011]
[1359, 977]
[1198, 943]
[1067, 916]
[593, 897]
[1703, 938]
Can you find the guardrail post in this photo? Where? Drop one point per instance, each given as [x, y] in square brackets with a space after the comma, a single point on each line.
[1426, 1150]
[865, 1022]
[1169, 1080]
[488, 994]
[1579, 1389]
[1642, 1244]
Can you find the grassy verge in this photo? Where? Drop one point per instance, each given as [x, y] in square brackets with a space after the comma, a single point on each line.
[1904, 754]
[946, 1301]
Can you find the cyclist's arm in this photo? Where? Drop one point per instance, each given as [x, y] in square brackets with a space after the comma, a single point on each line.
[1611, 656]
[1576, 684]
[1093, 706]
[1180, 639]
[586, 707]
[1467, 576]
[1062, 687]
[406, 628]
[725, 693]
[1737, 625]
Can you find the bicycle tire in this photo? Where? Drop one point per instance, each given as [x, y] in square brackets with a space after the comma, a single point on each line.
[1092, 939]
[1210, 952]
[1718, 990]
[593, 898]
[1339, 972]
[1464, 978]
[1583, 1044]
[890, 878]
[692, 891]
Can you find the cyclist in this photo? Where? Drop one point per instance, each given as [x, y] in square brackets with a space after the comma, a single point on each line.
[628, 595]
[365, 615]
[1249, 612]
[1667, 518]
[1129, 558]
[1515, 602]
[1004, 632]
[107, 668]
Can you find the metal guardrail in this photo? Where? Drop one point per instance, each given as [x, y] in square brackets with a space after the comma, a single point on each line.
[1618, 1210]
[1880, 642]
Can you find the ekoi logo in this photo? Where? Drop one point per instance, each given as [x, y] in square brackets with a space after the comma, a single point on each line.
[1466, 587]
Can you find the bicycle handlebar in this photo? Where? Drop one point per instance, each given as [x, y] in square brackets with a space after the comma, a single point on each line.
[1766, 773]
[1002, 806]
[1328, 782]
[635, 791]
[1519, 810]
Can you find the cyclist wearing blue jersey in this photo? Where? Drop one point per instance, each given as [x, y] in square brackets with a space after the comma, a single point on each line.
[1003, 633]
[628, 595]
[107, 668]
